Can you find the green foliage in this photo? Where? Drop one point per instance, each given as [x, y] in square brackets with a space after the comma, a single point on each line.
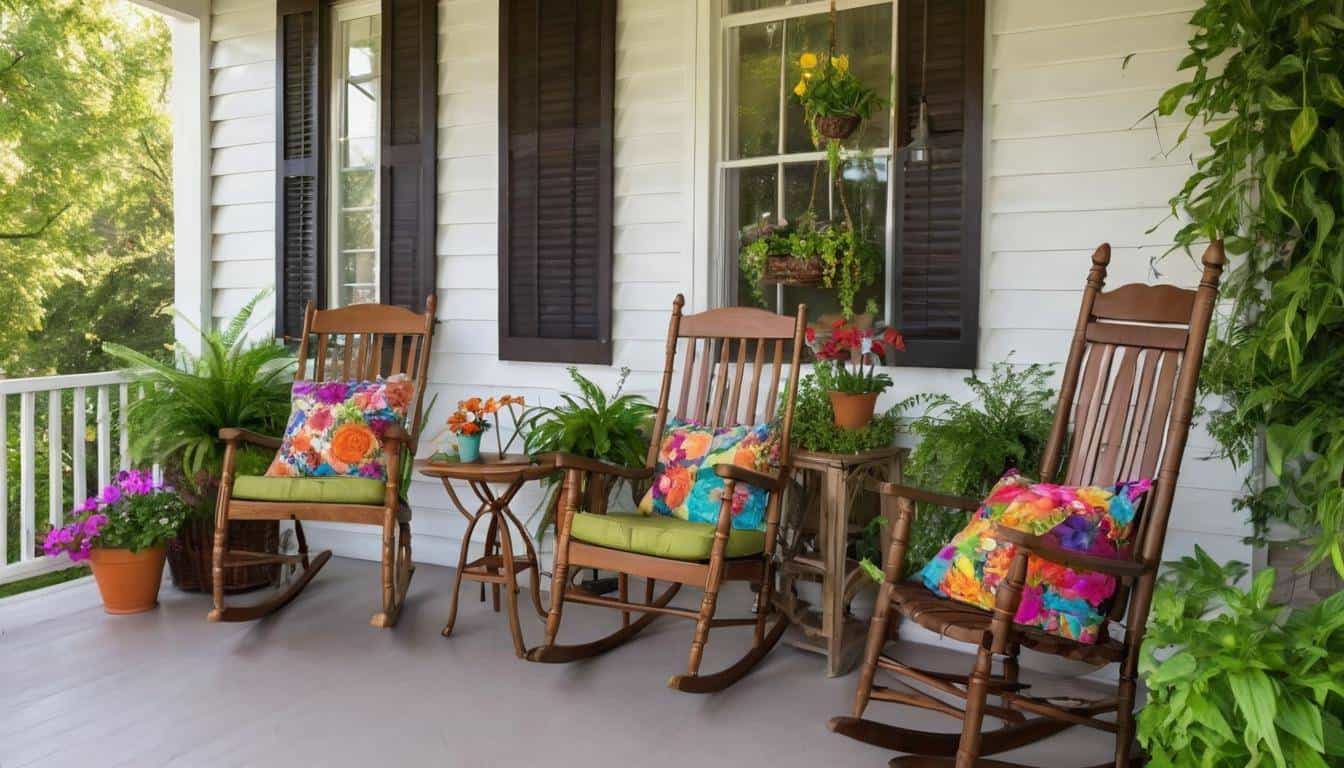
[85, 182]
[964, 447]
[142, 521]
[232, 383]
[612, 429]
[836, 376]
[814, 426]
[850, 262]
[1265, 87]
[43, 580]
[830, 88]
[1233, 680]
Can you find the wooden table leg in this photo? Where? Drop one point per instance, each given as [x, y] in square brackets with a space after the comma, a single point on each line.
[461, 566]
[835, 525]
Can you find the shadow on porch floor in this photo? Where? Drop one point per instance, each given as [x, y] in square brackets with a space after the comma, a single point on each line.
[315, 685]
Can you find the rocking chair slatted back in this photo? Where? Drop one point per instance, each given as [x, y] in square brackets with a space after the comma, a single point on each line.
[1129, 388]
[365, 341]
[717, 344]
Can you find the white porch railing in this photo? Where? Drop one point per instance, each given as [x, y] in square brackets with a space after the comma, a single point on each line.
[49, 410]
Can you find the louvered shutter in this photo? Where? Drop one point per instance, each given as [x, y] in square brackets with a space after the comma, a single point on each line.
[298, 194]
[408, 153]
[557, 83]
[938, 265]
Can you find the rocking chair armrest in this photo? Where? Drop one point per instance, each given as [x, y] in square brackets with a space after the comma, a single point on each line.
[236, 434]
[1040, 547]
[395, 433]
[562, 460]
[768, 483]
[919, 494]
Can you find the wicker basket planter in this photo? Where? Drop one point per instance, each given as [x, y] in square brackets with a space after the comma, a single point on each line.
[785, 269]
[190, 553]
[836, 126]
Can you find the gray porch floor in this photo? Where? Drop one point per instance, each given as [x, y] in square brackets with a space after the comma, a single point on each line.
[315, 685]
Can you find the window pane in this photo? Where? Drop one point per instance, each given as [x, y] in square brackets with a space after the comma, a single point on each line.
[755, 89]
[756, 191]
[357, 230]
[863, 34]
[354, 194]
[737, 6]
[357, 189]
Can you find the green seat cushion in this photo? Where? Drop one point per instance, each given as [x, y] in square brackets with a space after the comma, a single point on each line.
[662, 536]
[325, 490]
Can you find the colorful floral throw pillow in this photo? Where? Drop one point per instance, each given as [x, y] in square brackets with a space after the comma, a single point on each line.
[336, 428]
[685, 485]
[1058, 600]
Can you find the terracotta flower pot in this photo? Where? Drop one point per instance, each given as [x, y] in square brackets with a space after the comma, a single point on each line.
[836, 126]
[128, 581]
[853, 411]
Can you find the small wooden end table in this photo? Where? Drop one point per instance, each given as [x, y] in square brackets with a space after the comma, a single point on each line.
[815, 549]
[498, 566]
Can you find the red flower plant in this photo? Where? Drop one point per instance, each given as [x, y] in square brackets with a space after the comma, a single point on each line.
[849, 356]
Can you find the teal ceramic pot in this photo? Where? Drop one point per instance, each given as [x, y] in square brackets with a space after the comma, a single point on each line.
[469, 447]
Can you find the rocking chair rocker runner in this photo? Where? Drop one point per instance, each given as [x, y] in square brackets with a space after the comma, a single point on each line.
[1129, 386]
[362, 341]
[680, 551]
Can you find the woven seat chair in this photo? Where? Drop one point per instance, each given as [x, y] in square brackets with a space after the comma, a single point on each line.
[1129, 389]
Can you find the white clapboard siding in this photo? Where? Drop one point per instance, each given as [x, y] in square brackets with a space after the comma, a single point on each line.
[1070, 161]
[242, 161]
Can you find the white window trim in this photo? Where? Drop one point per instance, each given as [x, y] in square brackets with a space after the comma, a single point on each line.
[709, 219]
[342, 12]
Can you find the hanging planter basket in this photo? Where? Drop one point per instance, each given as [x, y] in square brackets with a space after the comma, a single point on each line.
[785, 269]
[836, 126]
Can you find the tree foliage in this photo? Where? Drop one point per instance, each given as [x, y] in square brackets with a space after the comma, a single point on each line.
[1265, 86]
[85, 183]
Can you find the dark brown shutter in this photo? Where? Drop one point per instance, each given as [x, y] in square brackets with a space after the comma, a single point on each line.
[298, 193]
[408, 153]
[938, 255]
[557, 84]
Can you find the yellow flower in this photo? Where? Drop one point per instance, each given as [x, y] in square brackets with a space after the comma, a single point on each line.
[800, 88]
[808, 60]
[841, 62]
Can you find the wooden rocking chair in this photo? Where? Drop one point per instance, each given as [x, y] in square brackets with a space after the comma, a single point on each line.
[363, 342]
[693, 553]
[1129, 385]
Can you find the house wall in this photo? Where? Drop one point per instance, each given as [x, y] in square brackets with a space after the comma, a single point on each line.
[1069, 163]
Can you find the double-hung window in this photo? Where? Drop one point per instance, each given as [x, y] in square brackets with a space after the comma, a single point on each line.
[922, 217]
[356, 102]
[353, 192]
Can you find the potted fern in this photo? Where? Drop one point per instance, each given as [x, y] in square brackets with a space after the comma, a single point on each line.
[613, 429]
[231, 383]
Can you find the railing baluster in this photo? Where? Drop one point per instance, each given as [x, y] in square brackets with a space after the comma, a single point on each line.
[24, 480]
[104, 438]
[4, 478]
[123, 436]
[55, 461]
[27, 479]
[78, 435]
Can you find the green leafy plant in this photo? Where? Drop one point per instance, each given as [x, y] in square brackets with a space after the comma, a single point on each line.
[1234, 680]
[964, 447]
[231, 383]
[814, 427]
[849, 261]
[614, 428]
[1265, 87]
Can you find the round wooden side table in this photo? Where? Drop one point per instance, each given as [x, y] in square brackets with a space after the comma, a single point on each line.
[498, 566]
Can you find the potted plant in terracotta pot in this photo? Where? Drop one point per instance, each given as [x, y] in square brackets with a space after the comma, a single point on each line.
[122, 532]
[846, 368]
[233, 382]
